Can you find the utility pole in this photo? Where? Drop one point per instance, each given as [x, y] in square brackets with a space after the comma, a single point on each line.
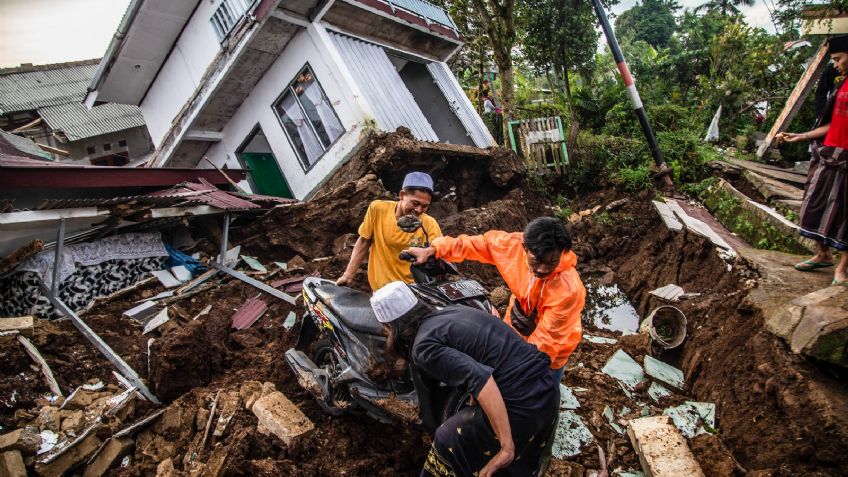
[635, 100]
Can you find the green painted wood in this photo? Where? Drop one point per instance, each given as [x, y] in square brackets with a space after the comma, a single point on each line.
[266, 174]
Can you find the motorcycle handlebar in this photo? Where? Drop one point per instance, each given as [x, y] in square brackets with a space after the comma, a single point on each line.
[407, 257]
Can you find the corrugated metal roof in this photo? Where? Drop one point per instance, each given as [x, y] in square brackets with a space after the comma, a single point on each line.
[79, 122]
[460, 104]
[30, 90]
[391, 102]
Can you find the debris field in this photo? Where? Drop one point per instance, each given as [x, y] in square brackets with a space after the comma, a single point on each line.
[212, 350]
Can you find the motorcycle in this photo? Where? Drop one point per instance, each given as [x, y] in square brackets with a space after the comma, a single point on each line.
[346, 344]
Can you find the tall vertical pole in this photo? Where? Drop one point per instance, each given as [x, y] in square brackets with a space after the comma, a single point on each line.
[635, 100]
[225, 235]
[57, 260]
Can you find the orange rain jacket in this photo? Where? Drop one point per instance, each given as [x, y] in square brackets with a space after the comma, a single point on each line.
[559, 298]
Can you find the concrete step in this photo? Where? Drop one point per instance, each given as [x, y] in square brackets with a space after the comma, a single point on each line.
[757, 224]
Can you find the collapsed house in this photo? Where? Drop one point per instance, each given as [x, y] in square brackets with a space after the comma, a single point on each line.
[44, 103]
[287, 90]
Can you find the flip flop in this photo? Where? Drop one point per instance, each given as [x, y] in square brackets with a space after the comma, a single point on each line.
[839, 283]
[810, 265]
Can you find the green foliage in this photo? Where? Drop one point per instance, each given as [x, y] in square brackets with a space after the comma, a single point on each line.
[747, 224]
[652, 22]
[633, 179]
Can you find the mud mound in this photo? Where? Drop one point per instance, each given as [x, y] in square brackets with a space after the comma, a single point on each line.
[775, 411]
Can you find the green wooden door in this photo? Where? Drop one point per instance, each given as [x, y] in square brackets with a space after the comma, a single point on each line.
[266, 174]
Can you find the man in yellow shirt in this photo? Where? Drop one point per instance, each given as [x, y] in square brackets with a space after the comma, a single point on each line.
[382, 239]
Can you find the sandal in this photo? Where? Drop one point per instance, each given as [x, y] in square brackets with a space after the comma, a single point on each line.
[810, 265]
[839, 283]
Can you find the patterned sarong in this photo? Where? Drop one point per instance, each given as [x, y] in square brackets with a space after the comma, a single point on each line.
[823, 211]
[466, 441]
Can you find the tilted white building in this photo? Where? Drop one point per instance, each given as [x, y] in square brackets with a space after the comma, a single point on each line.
[285, 88]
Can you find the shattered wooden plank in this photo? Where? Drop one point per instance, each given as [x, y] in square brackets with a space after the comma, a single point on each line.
[662, 450]
[255, 283]
[796, 99]
[39, 360]
[18, 256]
[129, 430]
[101, 345]
[117, 294]
[202, 312]
[24, 324]
[209, 422]
[787, 175]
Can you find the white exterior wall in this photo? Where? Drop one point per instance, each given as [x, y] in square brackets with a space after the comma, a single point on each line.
[306, 46]
[182, 72]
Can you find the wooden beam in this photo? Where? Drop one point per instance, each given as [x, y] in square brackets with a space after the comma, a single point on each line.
[53, 150]
[100, 345]
[796, 99]
[35, 122]
[256, 283]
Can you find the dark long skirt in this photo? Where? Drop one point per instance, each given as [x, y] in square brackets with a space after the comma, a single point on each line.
[465, 443]
[824, 215]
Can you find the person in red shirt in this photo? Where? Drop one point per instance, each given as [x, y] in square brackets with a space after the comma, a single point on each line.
[823, 210]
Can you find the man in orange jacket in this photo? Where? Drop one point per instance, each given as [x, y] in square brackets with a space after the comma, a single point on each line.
[538, 267]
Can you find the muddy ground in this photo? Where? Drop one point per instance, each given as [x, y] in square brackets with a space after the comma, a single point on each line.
[777, 414]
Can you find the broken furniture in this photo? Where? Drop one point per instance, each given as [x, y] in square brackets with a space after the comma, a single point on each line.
[540, 142]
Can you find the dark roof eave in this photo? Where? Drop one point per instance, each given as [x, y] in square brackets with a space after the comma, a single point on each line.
[58, 177]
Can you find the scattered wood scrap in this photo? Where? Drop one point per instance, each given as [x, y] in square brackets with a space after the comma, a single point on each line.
[18, 256]
[22, 324]
[33, 353]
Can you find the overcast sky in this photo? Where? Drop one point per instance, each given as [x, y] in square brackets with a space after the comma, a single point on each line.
[55, 31]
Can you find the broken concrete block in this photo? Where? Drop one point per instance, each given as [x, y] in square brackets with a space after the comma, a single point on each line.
[249, 392]
[166, 468]
[48, 419]
[822, 333]
[26, 440]
[73, 422]
[784, 321]
[296, 263]
[114, 450]
[282, 418]
[70, 457]
[12, 464]
[24, 324]
[662, 450]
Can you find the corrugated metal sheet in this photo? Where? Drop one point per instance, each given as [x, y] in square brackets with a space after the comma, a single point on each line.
[29, 90]
[461, 105]
[249, 312]
[79, 122]
[391, 101]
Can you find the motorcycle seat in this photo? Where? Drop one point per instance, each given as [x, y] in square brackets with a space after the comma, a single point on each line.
[351, 306]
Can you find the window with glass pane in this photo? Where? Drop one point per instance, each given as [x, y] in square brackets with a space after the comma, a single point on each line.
[308, 118]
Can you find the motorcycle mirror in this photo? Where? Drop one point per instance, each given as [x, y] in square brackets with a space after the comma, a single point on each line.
[409, 223]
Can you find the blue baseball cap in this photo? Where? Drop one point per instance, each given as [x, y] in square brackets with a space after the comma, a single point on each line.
[420, 180]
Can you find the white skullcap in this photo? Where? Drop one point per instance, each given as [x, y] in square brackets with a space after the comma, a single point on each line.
[393, 301]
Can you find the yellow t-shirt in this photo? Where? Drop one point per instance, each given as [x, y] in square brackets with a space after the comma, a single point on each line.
[388, 241]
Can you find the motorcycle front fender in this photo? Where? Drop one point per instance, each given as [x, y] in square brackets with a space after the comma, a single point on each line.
[308, 332]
